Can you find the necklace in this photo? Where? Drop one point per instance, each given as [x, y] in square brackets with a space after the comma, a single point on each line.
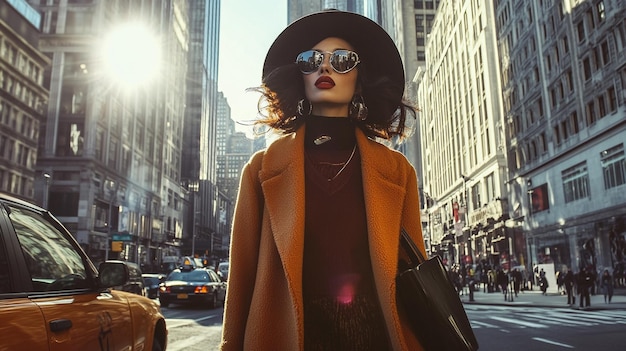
[344, 165]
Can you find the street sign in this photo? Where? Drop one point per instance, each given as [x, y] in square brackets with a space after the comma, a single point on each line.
[122, 237]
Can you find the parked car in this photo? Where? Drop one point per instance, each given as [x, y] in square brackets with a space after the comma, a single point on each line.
[190, 285]
[52, 297]
[152, 282]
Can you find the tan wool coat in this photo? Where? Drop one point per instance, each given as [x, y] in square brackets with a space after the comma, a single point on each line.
[264, 306]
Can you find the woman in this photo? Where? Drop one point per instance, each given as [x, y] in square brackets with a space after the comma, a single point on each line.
[314, 247]
[606, 281]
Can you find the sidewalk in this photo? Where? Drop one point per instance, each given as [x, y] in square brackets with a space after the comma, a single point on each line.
[535, 298]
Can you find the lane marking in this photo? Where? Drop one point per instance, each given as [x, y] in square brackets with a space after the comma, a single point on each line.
[482, 324]
[179, 322]
[553, 343]
[520, 322]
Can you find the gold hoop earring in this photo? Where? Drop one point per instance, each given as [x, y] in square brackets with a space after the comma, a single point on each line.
[301, 108]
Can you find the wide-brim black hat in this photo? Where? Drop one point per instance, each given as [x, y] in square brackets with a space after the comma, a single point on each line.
[375, 48]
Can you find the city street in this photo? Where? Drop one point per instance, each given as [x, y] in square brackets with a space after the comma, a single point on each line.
[545, 328]
[531, 321]
[193, 329]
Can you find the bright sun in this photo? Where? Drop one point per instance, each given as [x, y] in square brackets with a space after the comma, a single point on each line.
[131, 55]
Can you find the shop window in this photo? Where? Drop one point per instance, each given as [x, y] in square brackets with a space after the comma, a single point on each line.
[575, 182]
[613, 166]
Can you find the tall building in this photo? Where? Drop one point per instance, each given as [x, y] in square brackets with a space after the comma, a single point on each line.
[23, 97]
[199, 163]
[114, 155]
[413, 27]
[464, 164]
[564, 91]
[234, 151]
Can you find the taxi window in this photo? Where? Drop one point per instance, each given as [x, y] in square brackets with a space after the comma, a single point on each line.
[214, 277]
[53, 262]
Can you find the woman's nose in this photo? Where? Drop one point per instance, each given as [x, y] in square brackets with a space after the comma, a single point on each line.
[325, 66]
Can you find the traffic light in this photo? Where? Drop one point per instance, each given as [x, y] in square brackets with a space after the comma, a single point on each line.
[117, 246]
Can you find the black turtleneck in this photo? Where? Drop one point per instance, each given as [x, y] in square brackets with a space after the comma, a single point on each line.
[338, 281]
[340, 129]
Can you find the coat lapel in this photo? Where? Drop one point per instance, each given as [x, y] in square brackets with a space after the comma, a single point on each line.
[282, 179]
[384, 199]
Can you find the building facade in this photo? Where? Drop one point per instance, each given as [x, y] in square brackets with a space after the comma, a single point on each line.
[234, 151]
[199, 162]
[23, 97]
[113, 156]
[464, 164]
[523, 121]
[564, 89]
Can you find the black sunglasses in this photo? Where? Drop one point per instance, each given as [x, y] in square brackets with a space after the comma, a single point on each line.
[342, 61]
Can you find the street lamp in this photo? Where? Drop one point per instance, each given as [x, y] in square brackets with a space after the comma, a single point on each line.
[112, 185]
[194, 187]
[46, 192]
[466, 211]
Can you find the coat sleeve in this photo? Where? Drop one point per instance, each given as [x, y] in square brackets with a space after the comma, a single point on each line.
[244, 250]
[412, 223]
[411, 218]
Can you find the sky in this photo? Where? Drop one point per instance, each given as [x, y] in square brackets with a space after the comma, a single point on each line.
[248, 28]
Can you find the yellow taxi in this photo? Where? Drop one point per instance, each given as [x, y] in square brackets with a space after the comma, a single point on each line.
[52, 297]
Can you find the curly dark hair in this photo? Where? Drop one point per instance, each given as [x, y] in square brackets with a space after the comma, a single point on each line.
[283, 87]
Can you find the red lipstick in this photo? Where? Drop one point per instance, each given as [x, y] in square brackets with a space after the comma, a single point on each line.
[324, 82]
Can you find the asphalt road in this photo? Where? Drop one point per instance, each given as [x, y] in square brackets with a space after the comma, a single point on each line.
[547, 329]
[193, 329]
[497, 327]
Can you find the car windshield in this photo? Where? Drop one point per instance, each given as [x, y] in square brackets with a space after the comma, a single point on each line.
[151, 281]
[191, 276]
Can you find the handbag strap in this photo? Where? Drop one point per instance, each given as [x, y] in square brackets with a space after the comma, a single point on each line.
[413, 253]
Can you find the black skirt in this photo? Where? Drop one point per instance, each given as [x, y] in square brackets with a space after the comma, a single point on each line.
[356, 325]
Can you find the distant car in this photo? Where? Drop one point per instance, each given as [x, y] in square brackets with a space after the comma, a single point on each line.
[135, 283]
[189, 285]
[52, 297]
[222, 270]
[152, 282]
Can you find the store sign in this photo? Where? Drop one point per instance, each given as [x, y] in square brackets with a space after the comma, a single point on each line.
[493, 209]
[539, 198]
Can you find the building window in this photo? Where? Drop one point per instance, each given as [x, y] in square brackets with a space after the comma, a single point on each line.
[613, 166]
[600, 8]
[581, 31]
[575, 182]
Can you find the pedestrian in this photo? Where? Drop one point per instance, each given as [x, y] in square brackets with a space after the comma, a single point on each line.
[607, 285]
[502, 281]
[568, 284]
[543, 284]
[316, 230]
[584, 284]
[516, 275]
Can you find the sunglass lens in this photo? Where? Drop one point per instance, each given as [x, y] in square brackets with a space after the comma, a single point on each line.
[309, 61]
[344, 60]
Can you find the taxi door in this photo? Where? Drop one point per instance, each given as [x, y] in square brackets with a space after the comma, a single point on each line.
[22, 326]
[90, 321]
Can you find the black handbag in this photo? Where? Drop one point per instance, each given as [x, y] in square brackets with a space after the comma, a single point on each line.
[430, 301]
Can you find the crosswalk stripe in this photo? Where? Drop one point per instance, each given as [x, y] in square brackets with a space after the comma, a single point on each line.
[541, 318]
[520, 322]
[478, 324]
[563, 320]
